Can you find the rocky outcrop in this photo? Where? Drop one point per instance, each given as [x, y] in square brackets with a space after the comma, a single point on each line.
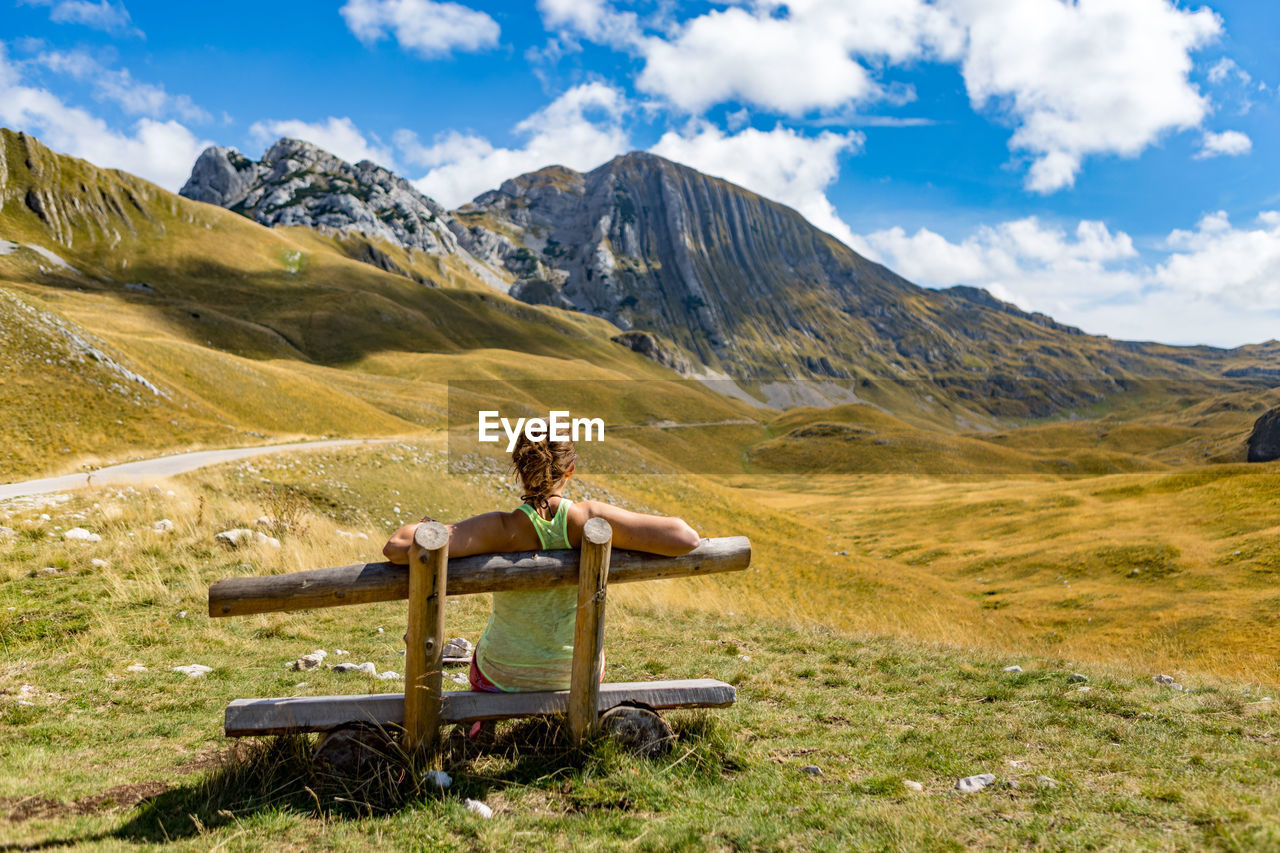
[297, 183]
[1264, 441]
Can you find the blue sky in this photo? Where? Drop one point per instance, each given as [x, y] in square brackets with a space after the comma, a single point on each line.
[1110, 162]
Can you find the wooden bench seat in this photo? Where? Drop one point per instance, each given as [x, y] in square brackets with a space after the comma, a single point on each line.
[297, 714]
[431, 576]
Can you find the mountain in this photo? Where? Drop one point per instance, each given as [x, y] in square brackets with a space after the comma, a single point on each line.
[712, 280]
[298, 183]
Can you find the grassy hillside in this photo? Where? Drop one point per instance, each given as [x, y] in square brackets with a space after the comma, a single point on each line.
[104, 756]
[243, 333]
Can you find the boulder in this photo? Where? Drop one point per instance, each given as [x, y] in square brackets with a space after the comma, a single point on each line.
[79, 534]
[973, 784]
[239, 537]
[1264, 441]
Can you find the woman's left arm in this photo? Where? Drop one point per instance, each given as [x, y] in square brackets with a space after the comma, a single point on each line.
[490, 532]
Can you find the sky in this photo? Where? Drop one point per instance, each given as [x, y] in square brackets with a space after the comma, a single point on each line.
[1112, 163]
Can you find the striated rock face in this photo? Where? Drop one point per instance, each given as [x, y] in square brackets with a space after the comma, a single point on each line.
[750, 288]
[297, 183]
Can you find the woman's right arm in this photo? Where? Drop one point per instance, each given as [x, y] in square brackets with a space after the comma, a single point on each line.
[638, 531]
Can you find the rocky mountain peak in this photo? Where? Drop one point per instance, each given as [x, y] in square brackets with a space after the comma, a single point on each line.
[299, 183]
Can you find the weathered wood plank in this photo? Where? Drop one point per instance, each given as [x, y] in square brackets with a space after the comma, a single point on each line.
[246, 717]
[588, 629]
[424, 639]
[369, 582]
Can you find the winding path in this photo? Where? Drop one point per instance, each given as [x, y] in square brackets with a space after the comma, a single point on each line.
[162, 466]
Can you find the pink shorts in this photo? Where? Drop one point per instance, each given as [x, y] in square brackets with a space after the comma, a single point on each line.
[483, 685]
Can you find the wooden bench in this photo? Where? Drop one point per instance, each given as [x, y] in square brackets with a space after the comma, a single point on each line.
[429, 577]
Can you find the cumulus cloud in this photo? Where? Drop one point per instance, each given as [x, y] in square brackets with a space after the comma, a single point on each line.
[428, 28]
[1092, 77]
[791, 58]
[580, 129]
[1214, 284]
[338, 136]
[103, 15]
[160, 151]
[1075, 79]
[780, 164]
[119, 86]
[1229, 143]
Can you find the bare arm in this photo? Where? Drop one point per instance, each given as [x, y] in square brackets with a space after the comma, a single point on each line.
[637, 531]
[488, 533]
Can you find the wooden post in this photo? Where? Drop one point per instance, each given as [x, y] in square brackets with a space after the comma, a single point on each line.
[588, 632]
[424, 641]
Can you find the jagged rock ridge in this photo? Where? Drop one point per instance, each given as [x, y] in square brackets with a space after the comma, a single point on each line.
[297, 183]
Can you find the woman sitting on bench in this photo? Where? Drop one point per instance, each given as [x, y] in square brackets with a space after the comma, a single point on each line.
[528, 643]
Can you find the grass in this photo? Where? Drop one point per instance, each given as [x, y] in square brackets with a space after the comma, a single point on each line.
[101, 756]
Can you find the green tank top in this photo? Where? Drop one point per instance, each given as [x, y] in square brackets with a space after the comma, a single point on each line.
[528, 643]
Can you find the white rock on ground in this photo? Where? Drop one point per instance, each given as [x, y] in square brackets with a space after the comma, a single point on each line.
[812, 769]
[195, 670]
[973, 784]
[438, 778]
[1077, 678]
[1162, 679]
[458, 648]
[1046, 782]
[79, 534]
[457, 678]
[477, 807]
[1014, 668]
[135, 667]
[241, 536]
[388, 675]
[310, 661]
[912, 785]
[7, 532]
[98, 563]
[164, 525]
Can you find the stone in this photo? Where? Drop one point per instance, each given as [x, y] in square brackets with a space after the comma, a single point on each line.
[973, 784]
[1162, 679]
[388, 675]
[182, 614]
[164, 525]
[310, 661]
[99, 563]
[458, 650]
[1014, 668]
[638, 729]
[1264, 441]
[1077, 678]
[477, 807]
[194, 670]
[240, 537]
[354, 751]
[135, 667]
[1046, 782]
[912, 785]
[79, 534]
[437, 779]
[812, 770]
[7, 532]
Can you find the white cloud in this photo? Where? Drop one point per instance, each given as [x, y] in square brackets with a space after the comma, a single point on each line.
[119, 86]
[581, 129]
[425, 27]
[1091, 77]
[338, 136]
[1213, 284]
[1227, 67]
[105, 16]
[1075, 79]
[160, 151]
[780, 164]
[791, 58]
[1229, 143]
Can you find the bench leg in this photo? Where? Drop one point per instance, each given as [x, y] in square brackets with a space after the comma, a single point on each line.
[588, 632]
[424, 640]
